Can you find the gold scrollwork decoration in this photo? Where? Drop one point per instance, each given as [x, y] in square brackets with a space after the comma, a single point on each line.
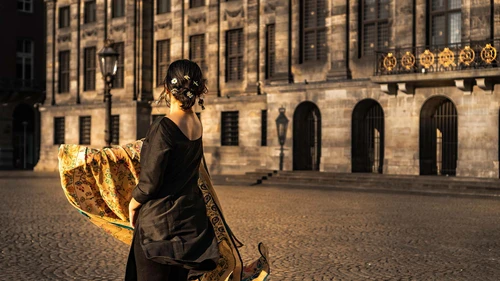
[390, 62]
[427, 59]
[466, 55]
[408, 60]
[446, 58]
[488, 53]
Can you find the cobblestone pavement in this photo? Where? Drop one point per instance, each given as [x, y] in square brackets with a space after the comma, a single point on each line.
[311, 235]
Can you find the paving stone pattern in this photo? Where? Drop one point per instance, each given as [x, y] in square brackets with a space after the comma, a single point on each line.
[311, 234]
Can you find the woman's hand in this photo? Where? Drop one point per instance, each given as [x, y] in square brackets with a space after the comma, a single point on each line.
[133, 207]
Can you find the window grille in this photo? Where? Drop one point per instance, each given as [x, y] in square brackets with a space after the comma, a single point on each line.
[119, 48]
[118, 8]
[197, 50]
[115, 129]
[162, 6]
[90, 68]
[64, 71]
[446, 22]
[59, 130]
[270, 50]
[375, 26]
[24, 59]
[263, 130]
[162, 61]
[85, 127]
[313, 30]
[25, 6]
[89, 12]
[229, 129]
[234, 55]
[64, 17]
[196, 3]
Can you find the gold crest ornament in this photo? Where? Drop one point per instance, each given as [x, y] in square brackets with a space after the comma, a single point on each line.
[488, 53]
[427, 59]
[408, 60]
[466, 55]
[390, 62]
[446, 58]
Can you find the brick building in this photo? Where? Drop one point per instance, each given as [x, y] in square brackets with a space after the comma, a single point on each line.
[22, 81]
[396, 87]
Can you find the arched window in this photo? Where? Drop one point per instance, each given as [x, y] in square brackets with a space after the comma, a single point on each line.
[313, 30]
[445, 21]
[374, 20]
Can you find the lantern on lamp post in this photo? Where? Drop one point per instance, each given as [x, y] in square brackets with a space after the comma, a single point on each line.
[108, 62]
[281, 127]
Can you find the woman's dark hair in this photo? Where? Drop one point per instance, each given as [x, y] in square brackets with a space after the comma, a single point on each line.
[186, 83]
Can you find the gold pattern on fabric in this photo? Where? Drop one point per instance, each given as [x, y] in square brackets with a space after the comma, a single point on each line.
[99, 184]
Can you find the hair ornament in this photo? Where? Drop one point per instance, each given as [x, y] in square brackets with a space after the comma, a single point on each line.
[187, 77]
[174, 90]
[174, 81]
[196, 83]
[189, 94]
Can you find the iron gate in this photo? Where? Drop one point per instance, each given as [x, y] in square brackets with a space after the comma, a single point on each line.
[306, 137]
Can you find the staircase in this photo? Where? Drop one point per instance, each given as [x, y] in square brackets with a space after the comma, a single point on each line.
[367, 182]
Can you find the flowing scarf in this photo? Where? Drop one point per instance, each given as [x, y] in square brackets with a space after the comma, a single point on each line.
[99, 184]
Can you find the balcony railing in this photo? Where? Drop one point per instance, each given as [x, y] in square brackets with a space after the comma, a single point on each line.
[21, 85]
[425, 59]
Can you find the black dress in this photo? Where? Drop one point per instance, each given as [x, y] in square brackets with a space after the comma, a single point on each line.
[173, 238]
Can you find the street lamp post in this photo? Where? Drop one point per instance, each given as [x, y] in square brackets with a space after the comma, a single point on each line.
[281, 127]
[108, 62]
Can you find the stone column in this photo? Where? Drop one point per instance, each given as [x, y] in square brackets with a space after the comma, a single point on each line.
[252, 47]
[282, 38]
[51, 55]
[338, 36]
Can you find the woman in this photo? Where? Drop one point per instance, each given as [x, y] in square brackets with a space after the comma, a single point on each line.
[174, 235]
[173, 238]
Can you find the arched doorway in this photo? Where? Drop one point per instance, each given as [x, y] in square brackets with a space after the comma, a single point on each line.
[23, 137]
[438, 137]
[306, 137]
[367, 137]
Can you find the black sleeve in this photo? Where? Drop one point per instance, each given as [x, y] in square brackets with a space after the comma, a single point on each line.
[154, 155]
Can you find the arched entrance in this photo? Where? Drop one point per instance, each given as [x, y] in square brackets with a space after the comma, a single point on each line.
[367, 137]
[23, 137]
[438, 137]
[306, 137]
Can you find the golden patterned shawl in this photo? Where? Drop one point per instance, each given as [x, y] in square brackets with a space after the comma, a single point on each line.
[99, 184]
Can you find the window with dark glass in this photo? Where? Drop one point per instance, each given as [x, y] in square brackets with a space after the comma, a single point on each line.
[118, 8]
[24, 59]
[445, 22]
[25, 6]
[63, 72]
[313, 30]
[374, 26]
[229, 128]
[162, 6]
[64, 17]
[85, 127]
[59, 130]
[196, 3]
[115, 129]
[119, 48]
[89, 65]
[263, 130]
[156, 116]
[162, 61]
[234, 55]
[270, 50]
[197, 50]
[89, 12]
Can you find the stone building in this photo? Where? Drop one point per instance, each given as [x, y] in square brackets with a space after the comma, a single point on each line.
[22, 81]
[379, 86]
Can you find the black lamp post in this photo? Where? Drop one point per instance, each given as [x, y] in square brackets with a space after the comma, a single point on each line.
[108, 62]
[281, 127]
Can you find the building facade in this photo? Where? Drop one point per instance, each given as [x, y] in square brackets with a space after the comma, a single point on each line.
[22, 82]
[379, 86]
